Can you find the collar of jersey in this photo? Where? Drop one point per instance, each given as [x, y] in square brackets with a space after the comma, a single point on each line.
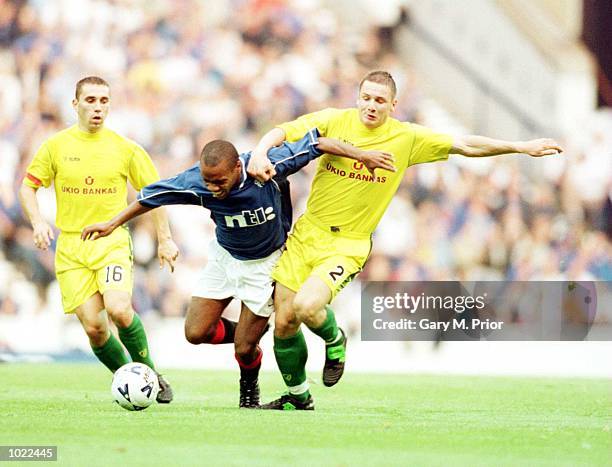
[365, 131]
[85, 135]
[243, 173]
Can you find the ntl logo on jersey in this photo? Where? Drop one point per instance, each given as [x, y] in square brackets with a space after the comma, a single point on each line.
[251, 218]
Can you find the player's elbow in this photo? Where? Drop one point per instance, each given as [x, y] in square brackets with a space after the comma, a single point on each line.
[278, 134]
[275, 137]
[460, 146]
[474, 146]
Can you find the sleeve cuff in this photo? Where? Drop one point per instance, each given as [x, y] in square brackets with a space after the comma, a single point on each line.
[313, 137]
[31, 181]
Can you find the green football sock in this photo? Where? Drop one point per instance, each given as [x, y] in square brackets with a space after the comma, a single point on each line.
[135, 341]
[328, 331]
[291, 355]
[111, 354]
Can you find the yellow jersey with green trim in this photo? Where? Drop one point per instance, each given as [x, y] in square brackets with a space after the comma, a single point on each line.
[344, 195]
[90, 173]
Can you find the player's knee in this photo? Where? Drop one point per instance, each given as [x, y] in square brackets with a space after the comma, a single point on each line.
[245, 350]
[285, 324]
[198, 334]
[97, 333]
[193, 335]
[120, 311]
[306, 308]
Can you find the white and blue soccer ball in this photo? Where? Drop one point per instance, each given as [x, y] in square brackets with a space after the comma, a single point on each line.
[135, 386]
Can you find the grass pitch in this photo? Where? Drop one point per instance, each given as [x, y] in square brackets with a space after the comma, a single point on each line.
[365, 420]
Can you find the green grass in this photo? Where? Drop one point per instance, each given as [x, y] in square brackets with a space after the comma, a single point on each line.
[365, 420]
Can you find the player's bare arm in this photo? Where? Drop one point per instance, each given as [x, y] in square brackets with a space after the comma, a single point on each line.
[167, 251]
[43, 233]
[371, 159]
[259, 166]
[481, 146]
[103, 229]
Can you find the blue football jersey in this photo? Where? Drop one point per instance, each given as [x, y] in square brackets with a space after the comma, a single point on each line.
[250, 222]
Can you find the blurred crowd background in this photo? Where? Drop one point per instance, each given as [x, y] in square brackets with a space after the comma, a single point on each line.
[184, 72]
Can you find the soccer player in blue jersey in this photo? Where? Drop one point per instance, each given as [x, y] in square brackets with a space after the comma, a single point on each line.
[252, 221]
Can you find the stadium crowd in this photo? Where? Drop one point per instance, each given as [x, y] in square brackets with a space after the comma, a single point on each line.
[184, 72]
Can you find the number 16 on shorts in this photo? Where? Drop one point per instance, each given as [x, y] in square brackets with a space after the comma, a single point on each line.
[114, 273]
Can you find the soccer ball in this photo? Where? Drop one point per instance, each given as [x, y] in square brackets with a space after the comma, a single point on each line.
[135, 386]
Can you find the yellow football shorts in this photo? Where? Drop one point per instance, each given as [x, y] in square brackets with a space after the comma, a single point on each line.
[86, 267]
[311, 249]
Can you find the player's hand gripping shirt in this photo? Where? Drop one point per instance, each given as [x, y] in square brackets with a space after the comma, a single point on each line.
[344, 195]
[251, 222]
[90, 173]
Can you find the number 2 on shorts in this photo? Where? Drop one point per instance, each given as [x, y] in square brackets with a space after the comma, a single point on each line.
[337, 273]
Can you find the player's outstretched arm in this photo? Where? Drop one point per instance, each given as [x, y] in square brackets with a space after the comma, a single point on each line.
[371, 159]
[481, 146]
[103, 229]
[167, 251]
[43, 233]
[259, 166]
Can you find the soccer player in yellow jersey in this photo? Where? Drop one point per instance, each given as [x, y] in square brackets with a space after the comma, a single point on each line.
[331, 241]
[89, 166]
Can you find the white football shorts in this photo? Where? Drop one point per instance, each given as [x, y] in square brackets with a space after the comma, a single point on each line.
[246, 280]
